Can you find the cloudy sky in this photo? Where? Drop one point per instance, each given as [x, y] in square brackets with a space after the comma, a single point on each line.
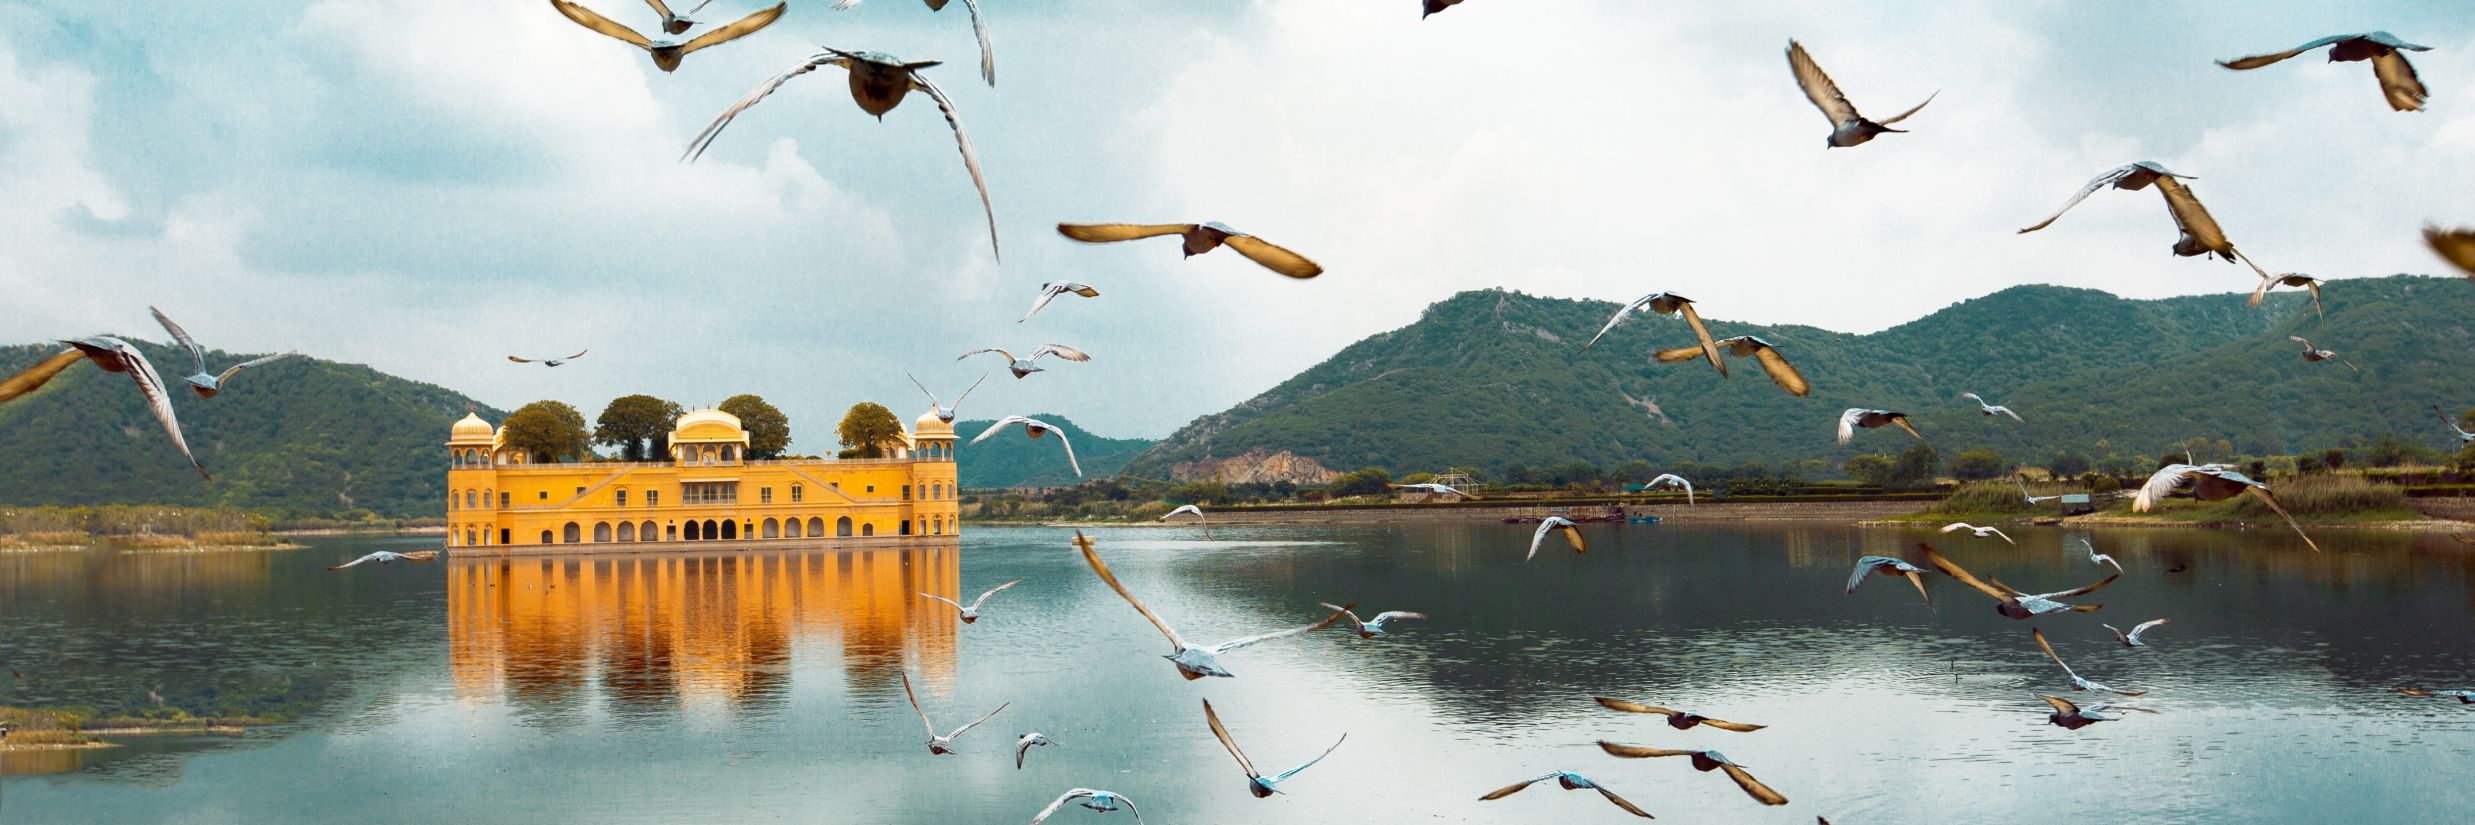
[427, 186]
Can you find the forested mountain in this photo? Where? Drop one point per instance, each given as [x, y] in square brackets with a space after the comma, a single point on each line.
[1490, 379]
[299, 436]
[1008, 459]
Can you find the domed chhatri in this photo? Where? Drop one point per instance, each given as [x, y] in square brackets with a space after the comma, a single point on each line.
[706, 489]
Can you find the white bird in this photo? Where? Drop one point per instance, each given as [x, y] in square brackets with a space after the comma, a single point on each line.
[2200, 233]
[940, 745]
[1847, 127]
[2070, 716]
[1199, 238]
[1436, 489]
[1888, 566]
[944, 413]
[1572, 534]
[2011, 602]
[988, 54]
[1856, 417]
[1026, 366]
[2032, 500]
[1773, 364]
[1570, 781]
[668, 53]
[677, 23]
[2316, 354]
[1666, 303]
[2210, 482]
[1026, 743]
[2292, 279]
[2457, 246]
[1035, 428]
[549, 362]
[1101, 801]
[1198, 514]
[1374, 627]
[204, 383]
[115, 355]
[1049, 291]
[1990, 410]
[387, 557]
[2398, 82]
[2095, 557]
[879, 82]
[1192, 661]
[1979, 532]
[1263, 787]
[2077, 683]
[2463, 435]
[2132, 639]
[971, 612]
[1673, 480]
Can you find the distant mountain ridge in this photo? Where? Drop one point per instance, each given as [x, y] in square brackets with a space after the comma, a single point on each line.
[1492, 378]
[1009, 459]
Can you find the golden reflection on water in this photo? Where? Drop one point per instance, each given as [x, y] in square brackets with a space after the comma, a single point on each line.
[696, 629]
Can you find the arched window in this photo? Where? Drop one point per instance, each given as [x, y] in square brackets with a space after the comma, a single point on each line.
[545, 537]
[906, 492]
[694, 531]
[470, 537]
[790, 528]
[627, 531]
[903, 527]
[842, 526]
[937, 491]
[708, 453]
[573, 533]
[672, 531]
[816, 527]
[869, 529]
[727, 530]
[773, 529]
[601, 532]
[648, 533]
[730, 453]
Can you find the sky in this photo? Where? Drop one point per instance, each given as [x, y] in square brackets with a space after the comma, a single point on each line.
[427, 187]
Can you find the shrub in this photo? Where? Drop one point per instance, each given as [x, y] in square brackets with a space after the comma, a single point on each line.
[1977, 465]
[2324, 496]
[1984, 497]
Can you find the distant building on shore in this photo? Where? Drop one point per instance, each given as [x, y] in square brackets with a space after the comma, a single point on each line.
[708, 491]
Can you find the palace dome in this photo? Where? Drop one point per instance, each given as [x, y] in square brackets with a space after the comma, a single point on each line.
[471, 428]
[708, 426]
[929, 426]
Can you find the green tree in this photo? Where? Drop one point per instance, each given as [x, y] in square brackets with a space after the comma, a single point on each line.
[632, 421]
[2334, 457]
[866, 431]
[2067, 464]
[549, 430]
[1364, 482]
[1914, 468]
[769, 431]
[1869, 469]
[1977, 465]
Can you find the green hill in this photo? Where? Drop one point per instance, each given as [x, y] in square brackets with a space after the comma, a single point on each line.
[300, 436]
[1489, 379]
[1010, 460]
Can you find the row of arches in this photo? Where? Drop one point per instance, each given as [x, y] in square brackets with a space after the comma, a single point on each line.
[473, 499]
[705, 530]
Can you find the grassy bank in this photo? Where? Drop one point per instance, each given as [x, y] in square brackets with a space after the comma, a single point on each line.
[134, 526]
[77, 727]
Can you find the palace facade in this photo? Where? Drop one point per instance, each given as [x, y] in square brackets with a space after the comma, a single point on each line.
[708, 491]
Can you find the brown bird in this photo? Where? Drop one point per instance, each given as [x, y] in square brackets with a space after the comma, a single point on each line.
[1847, 127]
[2457, 246]
[1677, 719]
[2200, 233]
[1667, 303]
[2464, 697]
[979, 29]
[115, 355]
[666, 53]
[1856, 417]
[2397, 77]
[1199, 238]
[1704, 761]
[2069, 716]
[2292, 279]
[2011, 601]
[1570, 781]
[1781, 372]
[2210, 482]
[34, 377]
[2315, 354]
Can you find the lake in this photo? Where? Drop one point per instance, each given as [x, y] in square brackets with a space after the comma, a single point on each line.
[767, 687]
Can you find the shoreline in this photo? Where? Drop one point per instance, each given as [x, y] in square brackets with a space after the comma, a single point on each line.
[1843, 512]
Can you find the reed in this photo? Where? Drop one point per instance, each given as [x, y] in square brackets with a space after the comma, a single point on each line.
[2325, 498]
[1980, 498]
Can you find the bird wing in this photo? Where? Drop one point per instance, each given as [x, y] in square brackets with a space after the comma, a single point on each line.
[2006, 537]
[966, 393]
[971, 157]
[1354, 621]
[230, 371]
[1008, 421]
[1957, 526]
[2259, 60]
[34, 377]
[1020, 748]
[2110, 178]
[1536, 539]
[1063, 798]
[1620, 803]
[1102, 568]
[704, 140]
[932, 397]
[2061, 705]
[659, 8]
[1274, 257]
[1222, 731]
[1061, 351]
[1046, 295]
[2265, 498]
[182, 336]
[2457, 246]
[2436, 410]
[737, 29]
[1753, 787]
[1953, 570]
[976, 722]
[915, 705]
[1618, 318]
[150, 384]
[1516, 787]
[2398, 82]
[1818, 86]
[1113, 232]
[1918, 579]
[1235, 644]
[1739, 727]
[1612, 703]
[1284, 775]
[593, 20]
[1390, 615]
[1710, 348]
[1902, 422]
[1070, 459]
[1904, 115]
[519, 360]
[2163, 483]
[2039, 635]
[1638, 751]
[1573, 534]
[957, 605]
[2190, 215]
[2083, 590]
[1973, 397]
[1009, 357]
[2306, 342]
[2014, 416]
[2260, 292]
[988, 53]
[1856, 578]
[983, 599]
[2143, 627]
[1670, 356]
[1847, 424]
[354, 562]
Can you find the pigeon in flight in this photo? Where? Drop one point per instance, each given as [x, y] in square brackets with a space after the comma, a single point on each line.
[1672, 480]
[1049, 291]
[940, 745]
[1990, 409]
[1847, 127]
[1034, 739]
[2070, 716]
[206, 384]
[1192, 661]
[971, 612]
[2290, 279]
[677, 23]
[2077, 683]
[2011, 601]
[668, 53]
[1026, 366]
[2463, 435]
[1199, 238]
[1888, 566]
[2132, 639]
[2397, 77]
[988, 54]
[2200, 233]
[2095, 557]
[1263, 787]
[1374, 627]
[548, 362]
[387, 557]
[1197, 512]
[1775, 365]
[1100, 801]
[1668, 303]
[115, 355]
[945, 413]
[1570, 781]
[1704, 761]
[1856, 417]
[2316, 354]
[2210, 482]
[1035, 428]
[1553, 524]
[1677, 719]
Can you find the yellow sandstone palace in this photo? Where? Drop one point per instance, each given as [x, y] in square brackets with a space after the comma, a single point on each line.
[707, 492]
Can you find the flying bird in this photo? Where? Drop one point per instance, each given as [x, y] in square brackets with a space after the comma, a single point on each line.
[1263, 787]
[1192, 661]
[1026, 743]
[2210, 482]
[1990, 409]
[1704, 761]
[879, 82]
[1979, 532]
[1572, 534]
[1199, 238]
[1026, 366]
[1570, 781]
[1677, 719]
[2095, 557]
[1433, 6]
[34, 377]
[1034, 428]
[2291, 279]
[2032, 500]
[677, 23]
[2069, 716]
[1198, 514]
[2130, 177]
[1668, 303]
[2200, 233]
[1672, 480]
[115, 355]
[1436, 489]
[971, 612]
[387, 557]
[1856, 417]
[2013, 602]
[2397, 77]
[2132, 639]
[1100, 801]
[668, 53]
[206, 384]
[549, 362]
[1049, 291]
[2464, 697]
[1847, 128]
[979, 29]
[940, 745]
[945, 413]
[2457, 246]
[2077, 683]
[1374, 627]
[2316, 354]
[2463, 435]
[1887, 566]
[1781, 372]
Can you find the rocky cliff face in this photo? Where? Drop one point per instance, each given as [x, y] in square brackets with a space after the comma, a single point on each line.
[1258, 465]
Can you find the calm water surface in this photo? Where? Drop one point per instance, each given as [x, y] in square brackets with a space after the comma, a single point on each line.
[766, 687]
